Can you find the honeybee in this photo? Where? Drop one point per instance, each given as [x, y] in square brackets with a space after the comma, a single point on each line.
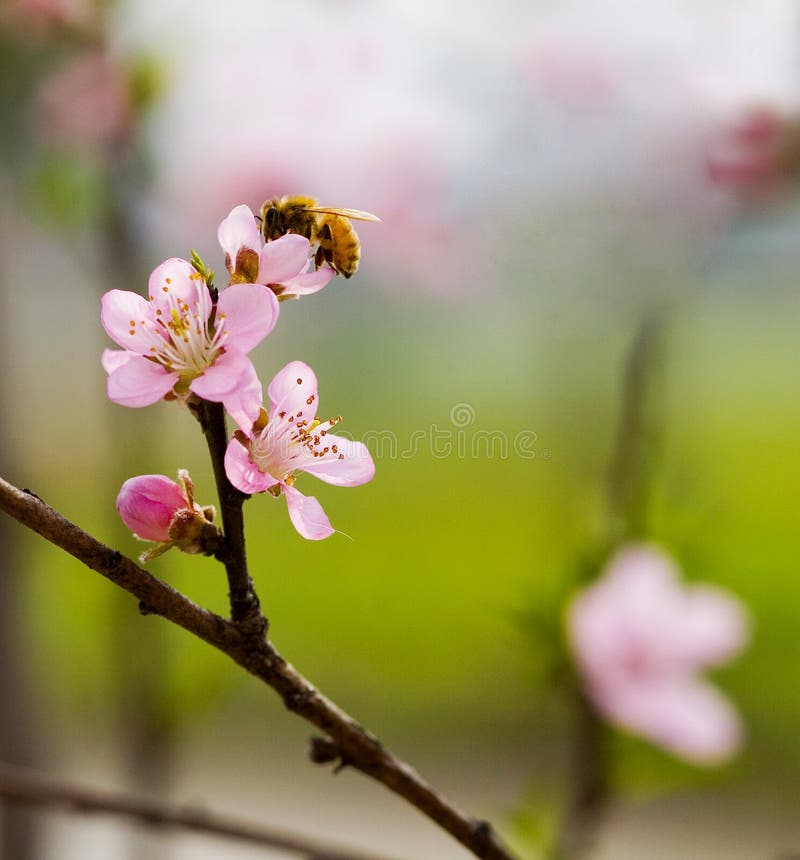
[325, 226]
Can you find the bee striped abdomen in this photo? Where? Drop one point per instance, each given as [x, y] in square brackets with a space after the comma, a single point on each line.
[345, 246]
[325, 226]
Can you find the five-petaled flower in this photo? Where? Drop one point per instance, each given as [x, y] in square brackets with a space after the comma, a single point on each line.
[178, 340]
[282, 265]
[265, 455]
[640, 638]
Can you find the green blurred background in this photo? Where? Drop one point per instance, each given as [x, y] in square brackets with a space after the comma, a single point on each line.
[542, 192]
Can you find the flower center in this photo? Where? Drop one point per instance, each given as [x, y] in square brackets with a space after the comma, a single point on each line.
[290, 443]
[186, 337]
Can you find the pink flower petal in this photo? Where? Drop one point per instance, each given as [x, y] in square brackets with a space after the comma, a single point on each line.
[223, 376]
[114, 358]
[139, 382]
[291, 390]
[250, 312]
[243, 404]
[176, 280]
[242, 473]
[309, 282]
[355, 468]
[701, 725]
[239, 230]
[148, 503]
[621, 623]
[307, 515]
[712, 628]
[122, 313]
[686, 716]
[283, 259]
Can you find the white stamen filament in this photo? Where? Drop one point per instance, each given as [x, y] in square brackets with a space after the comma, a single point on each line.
[180, 339]
[284, 447]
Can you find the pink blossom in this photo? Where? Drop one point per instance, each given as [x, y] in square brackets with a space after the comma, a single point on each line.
[148, 503]
[266, 455]
[157, 509]
[281, 264]
[86, 102]
[178, 341]
[640, 638]
[41, 17]
[570, 72]
[755, 153]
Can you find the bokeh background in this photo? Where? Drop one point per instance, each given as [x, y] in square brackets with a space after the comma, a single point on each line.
[547, 175]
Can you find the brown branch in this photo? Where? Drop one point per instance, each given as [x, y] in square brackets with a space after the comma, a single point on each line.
[245, 608]
[355, 746]
[587, 783]
[25, 786]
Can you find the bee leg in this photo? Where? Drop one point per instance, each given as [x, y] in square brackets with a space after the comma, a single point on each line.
[319, 258]
[326, 246]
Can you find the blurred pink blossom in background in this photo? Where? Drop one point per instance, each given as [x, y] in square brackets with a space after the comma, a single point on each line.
[38, 17]
[661, 113]
[86, 102]
[755, 154]
[640, 638]
[571, 73]
[489, 146]
[358, 129]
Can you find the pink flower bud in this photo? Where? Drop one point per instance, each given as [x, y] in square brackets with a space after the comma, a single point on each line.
[148, 504]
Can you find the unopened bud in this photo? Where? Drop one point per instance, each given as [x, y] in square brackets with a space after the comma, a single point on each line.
[192, 532]
[148, 503]
[158, 509]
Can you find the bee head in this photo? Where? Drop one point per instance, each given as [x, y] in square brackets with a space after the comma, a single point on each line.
[271, 222]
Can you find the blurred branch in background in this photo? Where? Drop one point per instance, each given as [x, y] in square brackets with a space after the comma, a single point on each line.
[635, 457]
[587, 792]
[18, 721]
[85, 166]
[633, 464]
[30, 788]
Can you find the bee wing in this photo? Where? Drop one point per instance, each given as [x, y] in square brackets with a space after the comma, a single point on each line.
[355, 214]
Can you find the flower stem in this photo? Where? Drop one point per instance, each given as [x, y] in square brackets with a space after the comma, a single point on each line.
[245, 608]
